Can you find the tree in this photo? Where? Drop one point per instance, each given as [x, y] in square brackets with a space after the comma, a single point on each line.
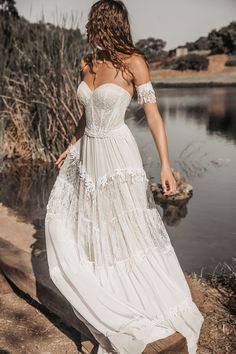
[8, 15]
[224, 40]
[201, 44]
[152, 48]
[8, 8]
[189, 61]
[218, 41]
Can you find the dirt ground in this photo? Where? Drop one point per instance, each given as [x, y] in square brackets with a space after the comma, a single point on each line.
[218, 332]
[24, 329]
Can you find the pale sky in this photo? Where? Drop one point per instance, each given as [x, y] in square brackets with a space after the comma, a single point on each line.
[174, 21]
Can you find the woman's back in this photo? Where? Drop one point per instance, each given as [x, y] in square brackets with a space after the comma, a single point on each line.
[106, 92]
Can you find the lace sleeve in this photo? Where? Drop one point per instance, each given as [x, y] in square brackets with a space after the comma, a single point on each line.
[145, 93]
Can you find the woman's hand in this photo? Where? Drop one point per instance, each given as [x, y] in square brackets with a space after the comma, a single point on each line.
[167, 180]
[62, 158]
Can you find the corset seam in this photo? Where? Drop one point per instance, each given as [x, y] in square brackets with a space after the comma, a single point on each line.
[97, 132]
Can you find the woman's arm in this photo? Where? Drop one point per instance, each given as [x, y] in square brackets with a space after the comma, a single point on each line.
[155, 123]
[79, 130]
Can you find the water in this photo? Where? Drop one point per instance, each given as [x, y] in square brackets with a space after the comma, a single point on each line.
[201, 130]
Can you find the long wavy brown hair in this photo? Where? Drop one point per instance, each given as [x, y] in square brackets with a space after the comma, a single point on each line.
[109, 35]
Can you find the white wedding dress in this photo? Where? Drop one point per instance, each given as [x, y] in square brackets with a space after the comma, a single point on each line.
[108, 251]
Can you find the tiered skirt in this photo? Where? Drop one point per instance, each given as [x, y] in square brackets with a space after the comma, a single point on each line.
[108, 250]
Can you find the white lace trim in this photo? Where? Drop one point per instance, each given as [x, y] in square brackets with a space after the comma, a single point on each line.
[152, 231]
[120, 174]
[186, 305]
[127, 265]
[145, 93]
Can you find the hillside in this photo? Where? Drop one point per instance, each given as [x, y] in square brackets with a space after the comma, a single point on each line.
[202, 62]
[216, 71]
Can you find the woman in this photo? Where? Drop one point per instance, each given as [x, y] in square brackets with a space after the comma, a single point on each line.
[108, 250]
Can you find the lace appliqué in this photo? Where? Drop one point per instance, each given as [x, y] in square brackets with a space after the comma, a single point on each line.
[186, 305]
[120, 174]
[145, 93]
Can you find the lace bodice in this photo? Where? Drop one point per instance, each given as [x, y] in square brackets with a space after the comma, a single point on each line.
[105, 106]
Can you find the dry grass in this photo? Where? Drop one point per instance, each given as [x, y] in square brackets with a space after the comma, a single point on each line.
[218, 334]
[39, 69]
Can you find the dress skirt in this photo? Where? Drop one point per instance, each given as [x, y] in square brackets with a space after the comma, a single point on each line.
[108, 250]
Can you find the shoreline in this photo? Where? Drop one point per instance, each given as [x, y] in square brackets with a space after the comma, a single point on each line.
[193, 84]
[193, 81]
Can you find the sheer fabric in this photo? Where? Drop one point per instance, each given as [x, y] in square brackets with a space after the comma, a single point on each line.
[108, 250]
[145, 93]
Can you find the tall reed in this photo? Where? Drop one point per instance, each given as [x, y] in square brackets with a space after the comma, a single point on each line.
[39, 68]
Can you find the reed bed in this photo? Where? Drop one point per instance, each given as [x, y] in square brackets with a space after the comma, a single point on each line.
[39, 68]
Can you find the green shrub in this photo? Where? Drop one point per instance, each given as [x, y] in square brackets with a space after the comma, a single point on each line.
[231, 62]
[190, 61]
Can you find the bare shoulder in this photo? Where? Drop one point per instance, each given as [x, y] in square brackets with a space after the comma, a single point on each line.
[139, 68]
[137, 60]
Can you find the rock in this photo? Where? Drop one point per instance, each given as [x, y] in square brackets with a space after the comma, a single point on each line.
[184, 190]
[174, 344]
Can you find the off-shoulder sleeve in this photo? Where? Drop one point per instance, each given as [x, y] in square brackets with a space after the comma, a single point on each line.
[145, 93]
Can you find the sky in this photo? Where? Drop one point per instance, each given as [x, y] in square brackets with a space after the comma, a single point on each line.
[174, 21]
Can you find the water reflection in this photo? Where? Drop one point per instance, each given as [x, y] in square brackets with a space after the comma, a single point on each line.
[173, 211]
[213, 108]
[25, 188]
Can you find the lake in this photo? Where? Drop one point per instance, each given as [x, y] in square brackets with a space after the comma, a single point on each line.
[201, 130]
